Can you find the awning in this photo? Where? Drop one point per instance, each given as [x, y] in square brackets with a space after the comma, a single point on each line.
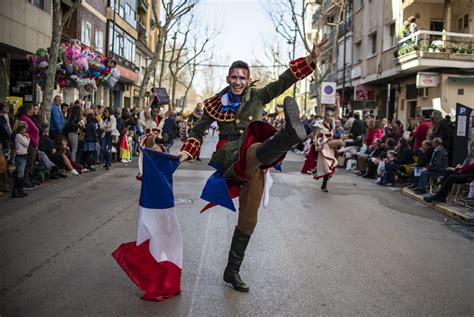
[461, 80]
[127, 75]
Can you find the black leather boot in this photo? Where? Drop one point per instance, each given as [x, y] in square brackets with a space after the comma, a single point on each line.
[21, 185]
[324, 186]
[240, 241]
[16, 192]
[290, 135]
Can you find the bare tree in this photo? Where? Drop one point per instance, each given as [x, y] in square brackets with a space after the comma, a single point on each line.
[184, 56]
[58, 25]
[174, 10]
[289, 18]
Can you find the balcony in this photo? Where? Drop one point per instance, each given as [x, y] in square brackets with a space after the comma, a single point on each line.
[141, 32]
[407, 3]
[429, 49]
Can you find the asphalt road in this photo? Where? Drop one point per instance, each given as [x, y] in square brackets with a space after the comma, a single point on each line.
[358, 250]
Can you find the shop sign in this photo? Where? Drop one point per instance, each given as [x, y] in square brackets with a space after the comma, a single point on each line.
[364, 93]
[424, 79]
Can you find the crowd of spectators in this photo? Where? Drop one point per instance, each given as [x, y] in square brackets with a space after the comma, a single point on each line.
[415, 156]
[75, 140]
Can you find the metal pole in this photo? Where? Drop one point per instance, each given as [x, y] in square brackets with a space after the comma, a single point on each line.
[111, 97]
[294, 52]
[343, 94]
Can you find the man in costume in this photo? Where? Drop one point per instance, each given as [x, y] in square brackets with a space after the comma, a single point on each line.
[193, 118]
[247, 145]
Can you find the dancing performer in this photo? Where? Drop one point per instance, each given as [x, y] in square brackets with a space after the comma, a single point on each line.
[247, 145]
[325, 146]
[193, 118]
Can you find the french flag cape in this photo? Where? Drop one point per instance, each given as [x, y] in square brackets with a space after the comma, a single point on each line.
[154, 261]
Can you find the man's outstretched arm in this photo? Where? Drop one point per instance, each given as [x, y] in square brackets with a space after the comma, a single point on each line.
[298, 69]
[191, 148]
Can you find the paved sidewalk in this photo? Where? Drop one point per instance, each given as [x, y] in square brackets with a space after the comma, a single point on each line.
[450, 208]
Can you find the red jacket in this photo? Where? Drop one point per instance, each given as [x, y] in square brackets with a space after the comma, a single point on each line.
[467, 169]
[420, 133]
[372, 135]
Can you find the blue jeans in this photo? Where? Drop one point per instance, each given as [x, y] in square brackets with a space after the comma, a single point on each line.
[107, 149]
[390, 169]
[20, 163]
[424, 179]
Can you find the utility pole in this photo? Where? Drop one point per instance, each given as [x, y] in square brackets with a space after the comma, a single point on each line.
[343, 94]
[294, 56]
[111, 94]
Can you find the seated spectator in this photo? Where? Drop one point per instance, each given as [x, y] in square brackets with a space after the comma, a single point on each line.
[62, 160]
[437, 166]
[373, 133]
[339, 131]
[376, 165]
[6, 129]
[358, 127]
[46, 150]
[461, 174]
[404, 156]
[425, 152]
[365, 161]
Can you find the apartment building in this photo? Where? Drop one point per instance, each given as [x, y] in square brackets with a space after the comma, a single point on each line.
[145, 45]
[401, 78]
[88, 24]
[405, 78]
[25, 25]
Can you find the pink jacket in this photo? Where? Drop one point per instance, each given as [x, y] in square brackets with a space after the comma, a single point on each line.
[32, 130]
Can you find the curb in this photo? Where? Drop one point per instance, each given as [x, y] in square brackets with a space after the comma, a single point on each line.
[440, 208]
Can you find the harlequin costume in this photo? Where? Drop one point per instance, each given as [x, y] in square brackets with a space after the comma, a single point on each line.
[240, 126]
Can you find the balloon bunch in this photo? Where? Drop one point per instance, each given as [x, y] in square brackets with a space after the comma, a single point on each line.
[78, 67]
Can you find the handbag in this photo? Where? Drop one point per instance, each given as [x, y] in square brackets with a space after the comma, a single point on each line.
[341, 161]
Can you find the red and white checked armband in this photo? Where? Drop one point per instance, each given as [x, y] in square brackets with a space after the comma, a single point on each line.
[191, 147]
[302, 68]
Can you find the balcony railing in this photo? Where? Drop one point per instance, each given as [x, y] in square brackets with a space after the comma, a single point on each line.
[437, 45]
[141, 32]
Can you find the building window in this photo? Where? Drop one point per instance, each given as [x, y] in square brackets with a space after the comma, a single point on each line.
[121, 43]
[86, 32]
[42, 4]
[372, 44]
[389, 39]
[461, 92]
[463, 23]
[358, 4]
[357, 52]
[99, 41]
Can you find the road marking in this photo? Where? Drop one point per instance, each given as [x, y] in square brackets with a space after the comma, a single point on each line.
[201, 262]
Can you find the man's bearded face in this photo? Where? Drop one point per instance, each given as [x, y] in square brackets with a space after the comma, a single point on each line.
[238, 79]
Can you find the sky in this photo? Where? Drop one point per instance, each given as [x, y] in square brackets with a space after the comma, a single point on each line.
[242, 25]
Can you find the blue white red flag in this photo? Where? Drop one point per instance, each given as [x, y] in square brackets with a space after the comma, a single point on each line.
[154, 261]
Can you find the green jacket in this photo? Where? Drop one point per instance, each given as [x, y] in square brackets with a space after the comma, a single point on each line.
[251, 108]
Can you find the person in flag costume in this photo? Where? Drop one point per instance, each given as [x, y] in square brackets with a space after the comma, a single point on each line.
[247, 145]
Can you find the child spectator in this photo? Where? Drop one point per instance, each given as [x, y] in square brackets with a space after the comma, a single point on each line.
[22, 141]
[124, 146]
[90, 141]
